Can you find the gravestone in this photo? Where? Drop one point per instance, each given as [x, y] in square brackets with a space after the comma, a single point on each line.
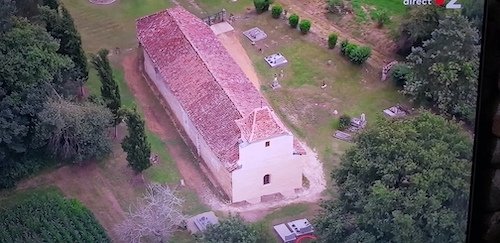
[255, 34]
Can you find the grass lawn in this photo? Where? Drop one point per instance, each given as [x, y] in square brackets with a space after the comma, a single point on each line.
[112, 25]
[302, 104]
[213, 6]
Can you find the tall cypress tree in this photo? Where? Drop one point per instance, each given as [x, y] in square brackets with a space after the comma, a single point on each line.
[60, 25]
[109, 88]
[135, 143]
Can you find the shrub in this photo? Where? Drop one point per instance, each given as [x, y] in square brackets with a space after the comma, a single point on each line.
[400, 74]
[293, 20]
[343, 46]
[261, 5]
[344, 122]
[358, 55]
[332, 40]
[305, 26]
[276, 11]
[381, 17]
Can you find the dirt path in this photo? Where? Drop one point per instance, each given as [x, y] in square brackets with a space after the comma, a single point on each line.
[323, 27]
[231, 42]
[89, 185]
[159, 122]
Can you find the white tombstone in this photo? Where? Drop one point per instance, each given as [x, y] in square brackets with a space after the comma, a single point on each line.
[363, 118]
[335, 112]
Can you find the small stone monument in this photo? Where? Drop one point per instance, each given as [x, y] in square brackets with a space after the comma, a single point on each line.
[329, 62]
[335, 112]
[281, 73]
[363, 118]
[275, 84]
[324, 85]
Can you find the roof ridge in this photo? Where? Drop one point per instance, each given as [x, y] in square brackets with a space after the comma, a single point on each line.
[205, 62]
[254, 112]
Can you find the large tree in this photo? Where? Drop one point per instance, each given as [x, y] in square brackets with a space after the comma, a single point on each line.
[232, 229]
[135, 144]
[444, 70]
[7, 10]
[417, 27]
[76, 131]
[60, 25]
[403, 181]
[28, 64]
[155, 217]
[109, 88]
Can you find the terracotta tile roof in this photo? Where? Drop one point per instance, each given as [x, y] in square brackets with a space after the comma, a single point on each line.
[261, 124]
[206, 81]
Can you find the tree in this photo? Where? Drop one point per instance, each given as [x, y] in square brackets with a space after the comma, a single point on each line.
[403, 181]
[262, 5]
[109, 90]
[135, 144]
[77, 131]
[418, 26]
[28, 64]
[293, 20]
[156, 216]
[473, 10]
[381, 17]
[7, 10]
[53, 4]
[444, 70]
[305, 26]
[400, 73]
[60, 25]
[332, 40]
[276, 11]
[230, 230]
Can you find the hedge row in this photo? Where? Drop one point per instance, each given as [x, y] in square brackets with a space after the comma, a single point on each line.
[356, 54]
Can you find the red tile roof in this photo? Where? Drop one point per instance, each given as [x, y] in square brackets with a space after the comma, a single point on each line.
[206, 81]
[260, 124]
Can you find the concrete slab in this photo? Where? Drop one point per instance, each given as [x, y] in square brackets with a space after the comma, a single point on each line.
[221, 28]
[255, 34]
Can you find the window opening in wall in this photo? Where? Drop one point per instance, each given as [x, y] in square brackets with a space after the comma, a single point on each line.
[268, 143]
[267, 179]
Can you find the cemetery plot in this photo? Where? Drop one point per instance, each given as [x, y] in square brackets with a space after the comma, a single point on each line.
[255, 34]
[396, 111]
[276, 60]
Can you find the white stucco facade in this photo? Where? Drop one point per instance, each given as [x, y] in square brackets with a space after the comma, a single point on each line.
[255, 159]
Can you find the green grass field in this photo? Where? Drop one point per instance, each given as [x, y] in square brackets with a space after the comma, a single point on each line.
[112, 25]
[301, 103]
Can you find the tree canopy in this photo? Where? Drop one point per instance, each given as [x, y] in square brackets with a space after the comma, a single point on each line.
[229, 230]
[76, 131]
[444, 70]
[109, 90]
[403, 181]
[135, 144]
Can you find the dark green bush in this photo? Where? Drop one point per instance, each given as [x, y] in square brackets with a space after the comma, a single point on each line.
[400, 74]
[332, 40]
[356, 54]
[359, 55]
[262, 5]
[343, 46]
[344, 122]
[276, 11]
[293, 20]
[305, 26]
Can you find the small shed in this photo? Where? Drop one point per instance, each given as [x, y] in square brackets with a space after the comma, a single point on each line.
[200, 222]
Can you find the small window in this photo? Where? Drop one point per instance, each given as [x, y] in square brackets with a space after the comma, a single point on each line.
[268, 143]
[267, 179]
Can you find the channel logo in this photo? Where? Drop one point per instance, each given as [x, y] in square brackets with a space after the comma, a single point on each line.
[452, 4]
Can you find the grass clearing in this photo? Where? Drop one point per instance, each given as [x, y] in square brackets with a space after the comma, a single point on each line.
[110, 26]
[214, 6]
[301, 103]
